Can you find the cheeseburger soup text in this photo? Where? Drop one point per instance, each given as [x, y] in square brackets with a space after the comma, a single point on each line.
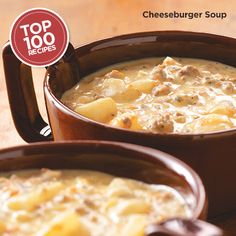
[160, 95]
[82, 203]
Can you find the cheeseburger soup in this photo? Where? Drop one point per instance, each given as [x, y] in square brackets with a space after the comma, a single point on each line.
[82, 203]
[160, 95]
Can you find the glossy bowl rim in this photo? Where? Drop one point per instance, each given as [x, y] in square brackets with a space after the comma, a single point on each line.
[173, 164]
[94, 45]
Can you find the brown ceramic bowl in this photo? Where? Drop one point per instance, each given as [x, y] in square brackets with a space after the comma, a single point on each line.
[124, 160]
[212, 155]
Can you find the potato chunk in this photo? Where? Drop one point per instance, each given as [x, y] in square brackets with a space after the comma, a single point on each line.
[144, 85]
[101, 110]
[211, 122]
[135, 226]
[224, 108]
[119, 188]
[68, 224]
[119, 91]
[115, 74]
[128, 95]
[169, 61]
[31, 200]
[133, 206]
[2, 227]
[112, 87]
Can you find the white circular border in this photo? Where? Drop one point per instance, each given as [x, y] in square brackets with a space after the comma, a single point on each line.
[45, 9]
[64, 37]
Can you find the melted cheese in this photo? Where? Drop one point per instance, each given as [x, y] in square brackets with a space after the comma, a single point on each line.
[84, 203]
[179, 95]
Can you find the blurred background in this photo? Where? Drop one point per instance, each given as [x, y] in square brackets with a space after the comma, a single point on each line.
[89, 20]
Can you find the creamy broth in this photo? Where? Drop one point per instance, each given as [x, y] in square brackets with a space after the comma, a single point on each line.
[85, 203]
[162, 95]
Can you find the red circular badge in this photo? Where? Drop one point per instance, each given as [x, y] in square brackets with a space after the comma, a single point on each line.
[39, 37]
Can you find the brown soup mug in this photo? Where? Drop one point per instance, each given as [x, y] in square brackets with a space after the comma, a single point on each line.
[123, 160]
[212, 155]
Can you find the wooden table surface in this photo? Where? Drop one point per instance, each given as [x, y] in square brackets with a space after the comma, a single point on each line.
[89, 20]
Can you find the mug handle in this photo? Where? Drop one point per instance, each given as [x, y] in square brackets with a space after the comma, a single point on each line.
[24, 108]
[181, 227]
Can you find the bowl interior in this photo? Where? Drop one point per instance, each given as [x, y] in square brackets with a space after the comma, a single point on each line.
[131, 161]
[92, 57]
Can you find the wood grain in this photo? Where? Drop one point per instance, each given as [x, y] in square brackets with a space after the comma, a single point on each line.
[95, 19]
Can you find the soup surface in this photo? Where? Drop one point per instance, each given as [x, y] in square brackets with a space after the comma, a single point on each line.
[84, 203]
[160, 95]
